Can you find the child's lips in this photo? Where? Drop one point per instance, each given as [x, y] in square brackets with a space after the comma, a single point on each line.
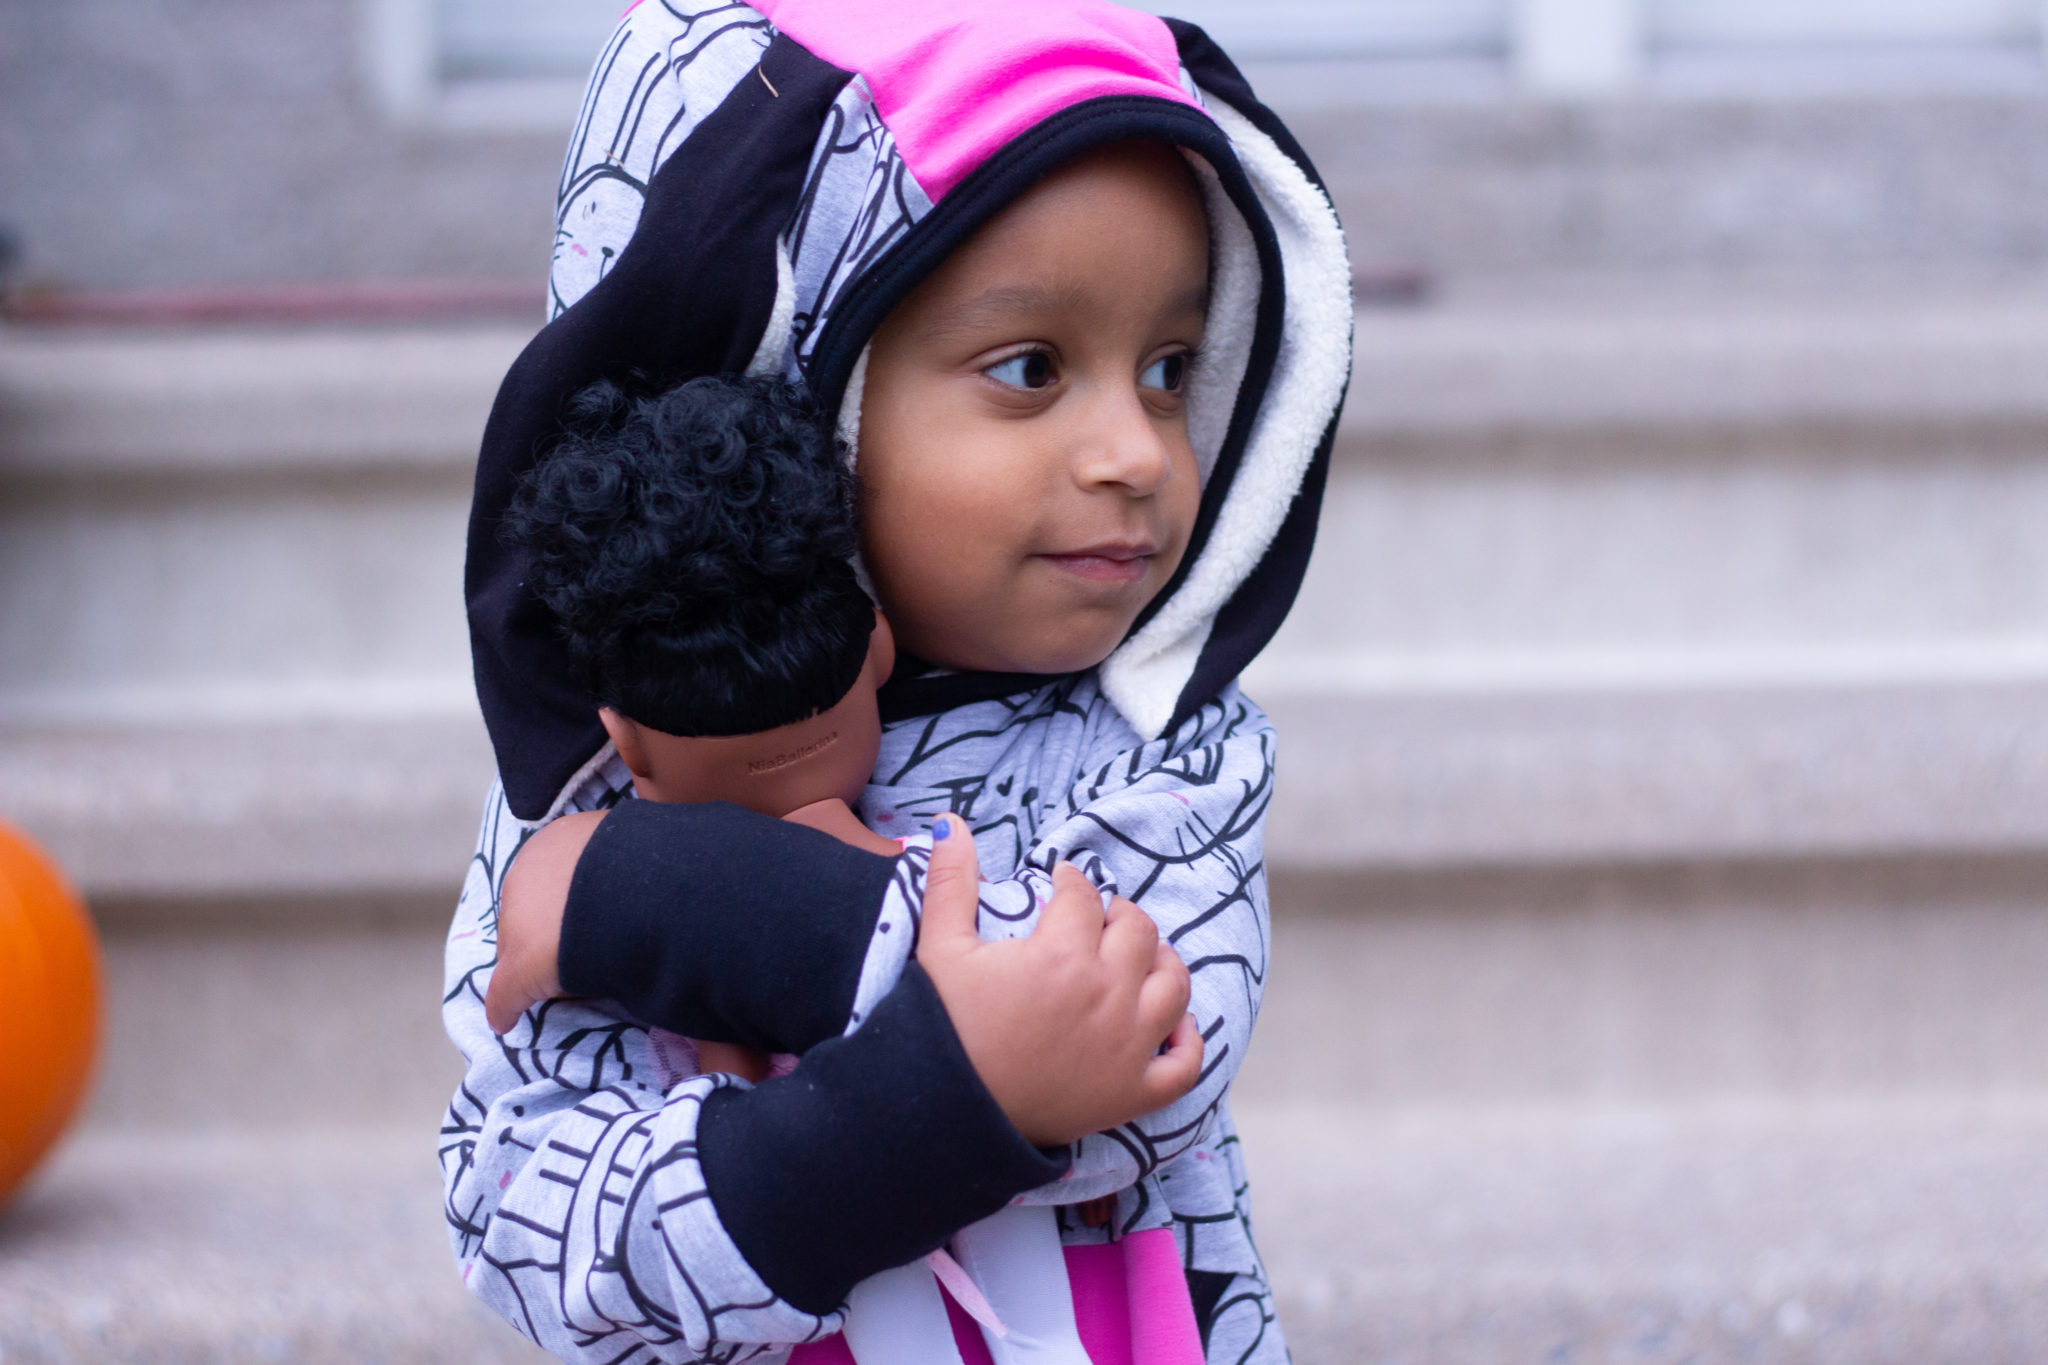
[1106, 563]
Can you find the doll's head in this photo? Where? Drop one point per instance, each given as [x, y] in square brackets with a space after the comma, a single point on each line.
[696, 548]
[1027, 481]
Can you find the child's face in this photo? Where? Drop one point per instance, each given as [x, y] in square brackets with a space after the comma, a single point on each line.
[1026, 480]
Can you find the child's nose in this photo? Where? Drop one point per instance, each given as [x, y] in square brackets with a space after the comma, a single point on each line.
[1125, 446]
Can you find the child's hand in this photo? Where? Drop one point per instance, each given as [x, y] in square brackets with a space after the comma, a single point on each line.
[1063, 1027]
[530, 907]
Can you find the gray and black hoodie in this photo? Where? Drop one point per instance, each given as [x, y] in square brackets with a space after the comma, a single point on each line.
[752, 188]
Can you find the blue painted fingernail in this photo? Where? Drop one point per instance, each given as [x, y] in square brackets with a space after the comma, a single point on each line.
[941, 828]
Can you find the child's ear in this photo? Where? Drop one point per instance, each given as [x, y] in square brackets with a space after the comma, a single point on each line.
[626, 739]
[881, 650]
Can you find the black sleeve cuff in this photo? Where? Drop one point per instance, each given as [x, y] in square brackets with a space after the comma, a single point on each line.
[874, 1151]
[717, 922]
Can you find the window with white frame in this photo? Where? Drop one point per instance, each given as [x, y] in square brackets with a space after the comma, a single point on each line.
[1594, 47]
[484, 62]
[1846, 23]
[1388, 28]
[1254, 29]
[480, 39]
[499, 61]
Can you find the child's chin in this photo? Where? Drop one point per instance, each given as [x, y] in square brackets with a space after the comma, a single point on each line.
[1068, 657]
[1070, 642]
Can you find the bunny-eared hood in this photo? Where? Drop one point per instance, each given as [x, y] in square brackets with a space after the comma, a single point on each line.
[752, 188]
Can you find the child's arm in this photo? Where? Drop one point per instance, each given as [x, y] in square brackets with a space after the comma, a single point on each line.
[602, 1202]
[1178, 824]
[536, 893]
[830, 816]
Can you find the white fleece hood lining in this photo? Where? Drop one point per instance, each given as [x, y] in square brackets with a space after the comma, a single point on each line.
[1146, 674]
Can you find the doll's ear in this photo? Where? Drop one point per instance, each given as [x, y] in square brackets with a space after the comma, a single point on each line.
[625, 736]
[881, 650]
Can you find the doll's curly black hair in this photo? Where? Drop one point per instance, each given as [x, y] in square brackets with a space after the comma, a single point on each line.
[697, 549]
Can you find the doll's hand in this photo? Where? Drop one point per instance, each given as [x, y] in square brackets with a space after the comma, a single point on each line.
[1064, 1027]
[530, 907]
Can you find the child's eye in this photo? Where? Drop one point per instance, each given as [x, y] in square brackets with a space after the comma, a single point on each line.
[1168, 372]
[1032, 370]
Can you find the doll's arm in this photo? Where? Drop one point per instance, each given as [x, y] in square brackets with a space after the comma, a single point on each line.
[830, 816]
[536, 893]
[834, 817]
[707, 919]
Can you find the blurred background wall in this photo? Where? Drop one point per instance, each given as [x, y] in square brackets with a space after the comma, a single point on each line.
[1658, 861]
[234, 142]
[219, 141]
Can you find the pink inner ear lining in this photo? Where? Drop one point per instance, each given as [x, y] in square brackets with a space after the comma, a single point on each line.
[957, 81]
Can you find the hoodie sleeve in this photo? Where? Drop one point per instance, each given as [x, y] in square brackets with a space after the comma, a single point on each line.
[717, 922]
[606, 1200]
[1178, 826]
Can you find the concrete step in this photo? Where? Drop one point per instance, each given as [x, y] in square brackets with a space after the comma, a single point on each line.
[319, 807]
[1645, 986]
[1901, 1230]
[85, 403]
[202, 527]
[1528, 355]
[1907, 1231]
[1594, 771]
[1675, 574]
[241, 1245]
[1605, 574]
[1732, 1113]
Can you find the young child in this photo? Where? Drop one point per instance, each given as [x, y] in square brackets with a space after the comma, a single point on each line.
[697, 550]
[1082, 313]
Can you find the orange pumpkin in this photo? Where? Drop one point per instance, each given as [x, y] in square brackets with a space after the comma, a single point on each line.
[49, 1005]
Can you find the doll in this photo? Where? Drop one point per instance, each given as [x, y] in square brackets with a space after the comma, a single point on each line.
[697, 549]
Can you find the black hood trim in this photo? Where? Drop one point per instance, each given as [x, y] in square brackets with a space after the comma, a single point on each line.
[716, 207]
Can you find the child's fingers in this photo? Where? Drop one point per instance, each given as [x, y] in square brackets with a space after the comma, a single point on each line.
[1073, 917]
[1163, 997]
[952, 884]
[1174, 1072]
[1130, 940]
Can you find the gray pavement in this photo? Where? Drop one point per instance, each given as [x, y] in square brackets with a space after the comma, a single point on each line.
[1866, 1231]
[311, 1244]
[1910, 1231]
